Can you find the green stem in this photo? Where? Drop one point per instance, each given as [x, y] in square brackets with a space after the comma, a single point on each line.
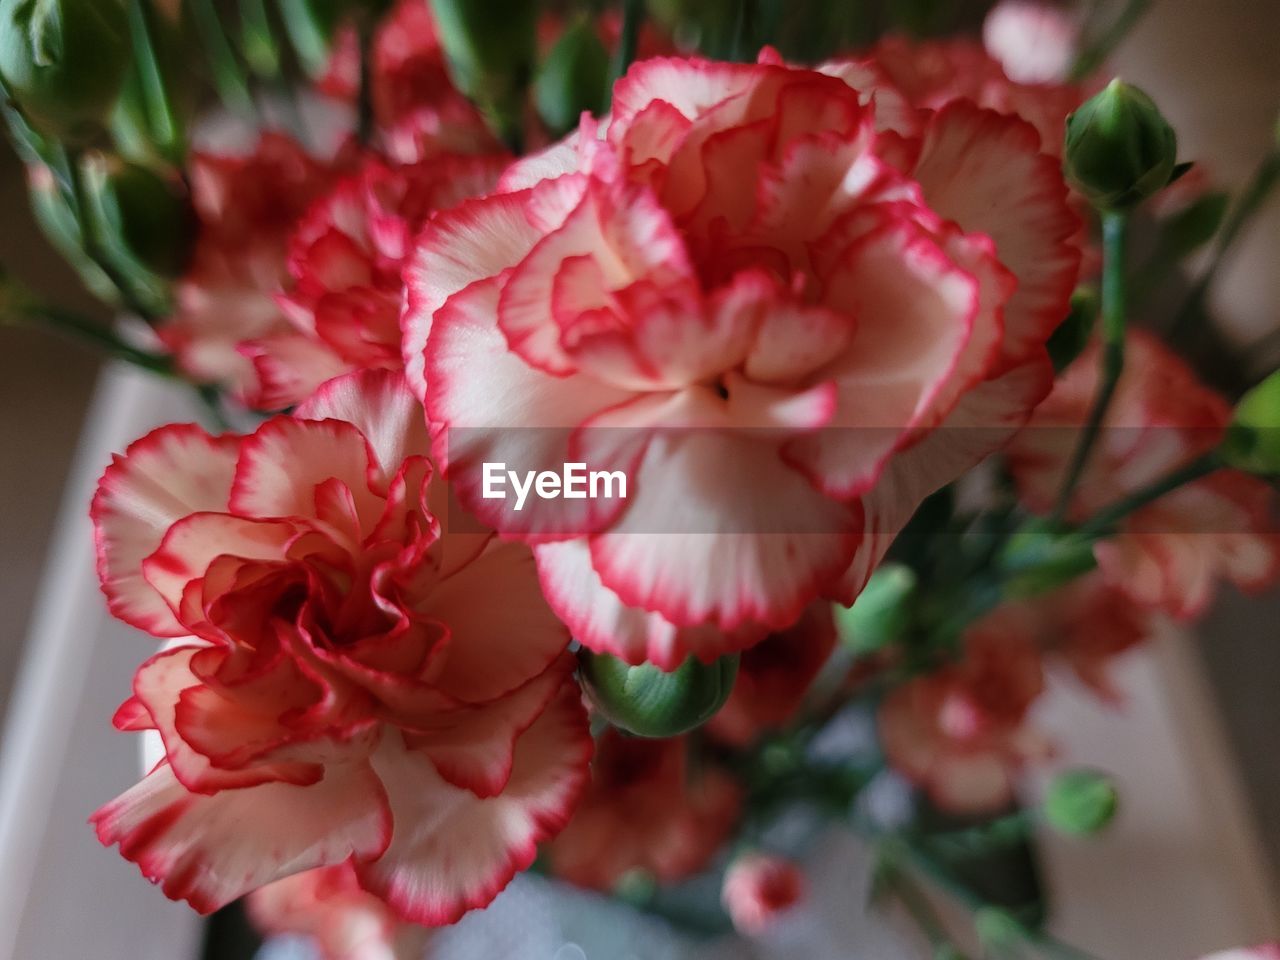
[1114, 320]
[92, 243]
[1101, 523]
[948, 883]
[629, 42]
[97, 335]
[228, 74]
[366, 120]
[1264, 180]
[1096, 53]
[903, 888]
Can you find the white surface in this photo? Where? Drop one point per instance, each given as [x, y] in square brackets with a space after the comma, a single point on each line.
[1179, 874]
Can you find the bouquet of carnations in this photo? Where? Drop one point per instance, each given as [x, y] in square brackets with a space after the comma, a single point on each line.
[631, 426]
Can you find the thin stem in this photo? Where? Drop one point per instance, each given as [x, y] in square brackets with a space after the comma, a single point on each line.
[365, 114]
[1093, 56]
[904, 889]
[1264, 180]
[97, 335]
[92, 243]
[629, 42]
[1114, 313]
[1101, 523]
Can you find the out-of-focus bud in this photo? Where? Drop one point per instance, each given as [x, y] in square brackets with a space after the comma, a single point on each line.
[64, 61]
[491, 48]
[1038, 559]
[140, 215]
[1072, 335]
[1080, 802]
[759, 889]
[649, 703]
[574, 77]
[1119, 147]
[1253, 440]
[1034, 41]
[882, 611]
[1190, 228]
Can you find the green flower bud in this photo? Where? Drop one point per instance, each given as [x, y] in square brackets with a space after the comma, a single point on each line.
[64, 61]
[882, 611]
[140, 215]
[1080, 802]
[574, 78]
[1119, 148]
[1038, 559]
[649, 703]
[1253, 440]
[58, 222]
[1190, 229]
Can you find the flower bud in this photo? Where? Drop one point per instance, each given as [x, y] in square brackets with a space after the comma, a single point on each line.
[573, 79]
[881, 612]
[1119, 148]
[1253, 440]
[64, 61]
[1080, 802]
[58, 222]
[140, 215]
[649, 703]
[758, 890]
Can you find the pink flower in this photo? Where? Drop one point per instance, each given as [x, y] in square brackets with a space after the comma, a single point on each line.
[1089, 623]
[648, 809]
[344, 920]
[759, 889]
[773, 678]
[1035, 42]
[960, 733]
[418, 112]
[785, 327]
[1172, 553]
[343, 296]
[247, 207]
[348, 679]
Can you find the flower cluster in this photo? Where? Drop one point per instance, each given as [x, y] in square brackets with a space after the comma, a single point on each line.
[792, 307]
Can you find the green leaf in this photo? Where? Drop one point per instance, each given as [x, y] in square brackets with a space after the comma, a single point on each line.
[882, 611]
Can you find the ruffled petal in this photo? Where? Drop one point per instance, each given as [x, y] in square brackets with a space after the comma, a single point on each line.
[168, 474]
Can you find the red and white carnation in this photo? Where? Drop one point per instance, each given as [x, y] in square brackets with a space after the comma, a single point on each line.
[961, 733]
[247, 206]
[342, 919]
[647, 810]
[343, 296]
[784, 325]
[348, 679]
[1172, 553]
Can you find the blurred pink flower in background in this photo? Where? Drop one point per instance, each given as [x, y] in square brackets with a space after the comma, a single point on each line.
[1035, 42]
[759, 890]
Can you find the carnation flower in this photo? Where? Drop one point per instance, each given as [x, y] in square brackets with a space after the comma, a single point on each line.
[786, 327]
[648, 810]
[341, 684]
[773, 678]
[960, 733]
[417, 110]
[343, 920]
[759, 889]
[247, 206]
[1171, 553]
[344, 292]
